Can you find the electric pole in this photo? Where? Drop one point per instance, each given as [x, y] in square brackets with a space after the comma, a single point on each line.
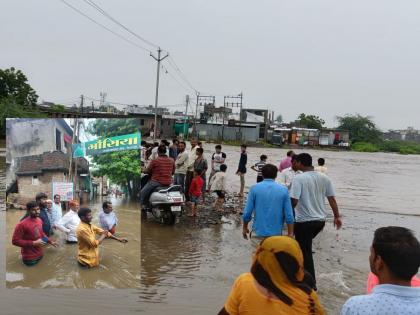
[82, 99]
[236, 102]
[187, 101]
[158, 59]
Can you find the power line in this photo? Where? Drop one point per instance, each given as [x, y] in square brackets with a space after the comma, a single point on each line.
[172, 63]
[103, 12]
[105, 27]
[183, 86]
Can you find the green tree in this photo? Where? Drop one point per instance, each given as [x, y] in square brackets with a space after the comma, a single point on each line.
[122, 168]
[17, 98]
[13, 83]
[361, 128]
[310, 121]
[279, 119]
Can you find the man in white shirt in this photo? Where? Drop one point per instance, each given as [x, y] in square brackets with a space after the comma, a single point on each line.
[181, 165]
[57, 209]
[69, 222]
[286, 176]
[394, 259]
[107, 218]
[192, 155]
[308, 194]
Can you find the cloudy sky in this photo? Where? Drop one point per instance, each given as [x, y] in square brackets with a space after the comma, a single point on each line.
[322, 57]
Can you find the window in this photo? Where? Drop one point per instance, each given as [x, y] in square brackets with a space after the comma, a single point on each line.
[141, 122]
[35, 180]
[57, 140]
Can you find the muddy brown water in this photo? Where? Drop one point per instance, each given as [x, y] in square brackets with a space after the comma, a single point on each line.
[187, 269]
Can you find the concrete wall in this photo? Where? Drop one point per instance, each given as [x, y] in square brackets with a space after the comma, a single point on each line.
[27, 191]
[214, 133]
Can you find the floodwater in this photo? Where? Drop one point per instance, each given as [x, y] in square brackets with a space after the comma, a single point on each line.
[188, 269]
[119, 263]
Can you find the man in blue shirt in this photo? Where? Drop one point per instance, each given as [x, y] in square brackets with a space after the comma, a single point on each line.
[271, 204]
[394, 259]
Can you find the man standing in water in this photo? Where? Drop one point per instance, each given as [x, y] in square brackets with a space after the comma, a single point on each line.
[181, 164]
[30, 237]
[69, 222]
[271, 204]
[287, 161]
[88, 252]
[190, 170]
[41, 200]
[308, 194]
[242, 169]
[107, 218]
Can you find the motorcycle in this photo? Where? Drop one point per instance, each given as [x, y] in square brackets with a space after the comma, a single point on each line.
[166, 203]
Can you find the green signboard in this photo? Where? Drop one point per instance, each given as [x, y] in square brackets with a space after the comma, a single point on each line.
[105, 145]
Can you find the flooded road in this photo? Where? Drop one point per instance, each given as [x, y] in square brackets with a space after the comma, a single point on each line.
[119, 263]
[188, 269]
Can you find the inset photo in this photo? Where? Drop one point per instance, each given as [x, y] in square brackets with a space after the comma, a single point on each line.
[72, 214]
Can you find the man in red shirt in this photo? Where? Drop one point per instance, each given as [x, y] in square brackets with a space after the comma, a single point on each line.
[160, 171]
[30, 237]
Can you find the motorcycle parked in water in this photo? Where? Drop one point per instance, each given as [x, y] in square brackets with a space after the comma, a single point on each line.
[165, 203]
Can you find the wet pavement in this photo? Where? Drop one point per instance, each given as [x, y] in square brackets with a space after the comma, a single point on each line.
[189, 268]
[119, 263]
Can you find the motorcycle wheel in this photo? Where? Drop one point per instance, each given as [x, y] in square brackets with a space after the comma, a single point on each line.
[168, 218]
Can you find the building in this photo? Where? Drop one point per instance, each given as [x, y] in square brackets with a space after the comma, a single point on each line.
[38, 153]
[409, 134]
[260, 117]
[334, 137]
[29, 137]
[36, 173]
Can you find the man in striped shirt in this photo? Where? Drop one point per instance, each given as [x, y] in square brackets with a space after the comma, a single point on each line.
[258, 167]
[160, 170]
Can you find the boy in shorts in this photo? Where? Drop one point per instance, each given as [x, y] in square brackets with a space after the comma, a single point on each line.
[195, 191]
[218, 185]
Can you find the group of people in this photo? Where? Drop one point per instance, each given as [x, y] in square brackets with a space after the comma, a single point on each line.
[278, 282]
[44, 218]
[283, 269]
[166, 164]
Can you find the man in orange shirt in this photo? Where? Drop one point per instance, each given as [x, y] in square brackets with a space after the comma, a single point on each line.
[88, 252]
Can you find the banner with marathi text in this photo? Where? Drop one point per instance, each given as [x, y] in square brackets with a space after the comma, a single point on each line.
[105, 145]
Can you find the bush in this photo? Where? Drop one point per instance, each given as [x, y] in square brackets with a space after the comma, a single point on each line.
[365, 147]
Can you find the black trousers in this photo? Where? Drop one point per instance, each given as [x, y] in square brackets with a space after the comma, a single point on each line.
[188, 179]
[305, 232]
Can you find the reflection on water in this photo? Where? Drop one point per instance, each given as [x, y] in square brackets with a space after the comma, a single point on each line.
[119, 263]
[191, 269]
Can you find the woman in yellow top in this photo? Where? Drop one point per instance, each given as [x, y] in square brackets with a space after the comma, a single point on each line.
[277, 283]
[88, 253]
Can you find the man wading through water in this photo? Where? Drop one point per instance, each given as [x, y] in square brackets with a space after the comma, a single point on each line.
[308, 194]
[88, 252]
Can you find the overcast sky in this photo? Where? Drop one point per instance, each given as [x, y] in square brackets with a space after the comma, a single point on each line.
[323, 57]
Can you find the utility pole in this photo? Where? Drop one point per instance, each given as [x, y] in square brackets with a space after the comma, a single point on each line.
[187, 101]
[158, 59]
[82, 99]
[75, 179]
[71, 150]
[203, 100]
[195, 116]
[237, 102]
[223, 116]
